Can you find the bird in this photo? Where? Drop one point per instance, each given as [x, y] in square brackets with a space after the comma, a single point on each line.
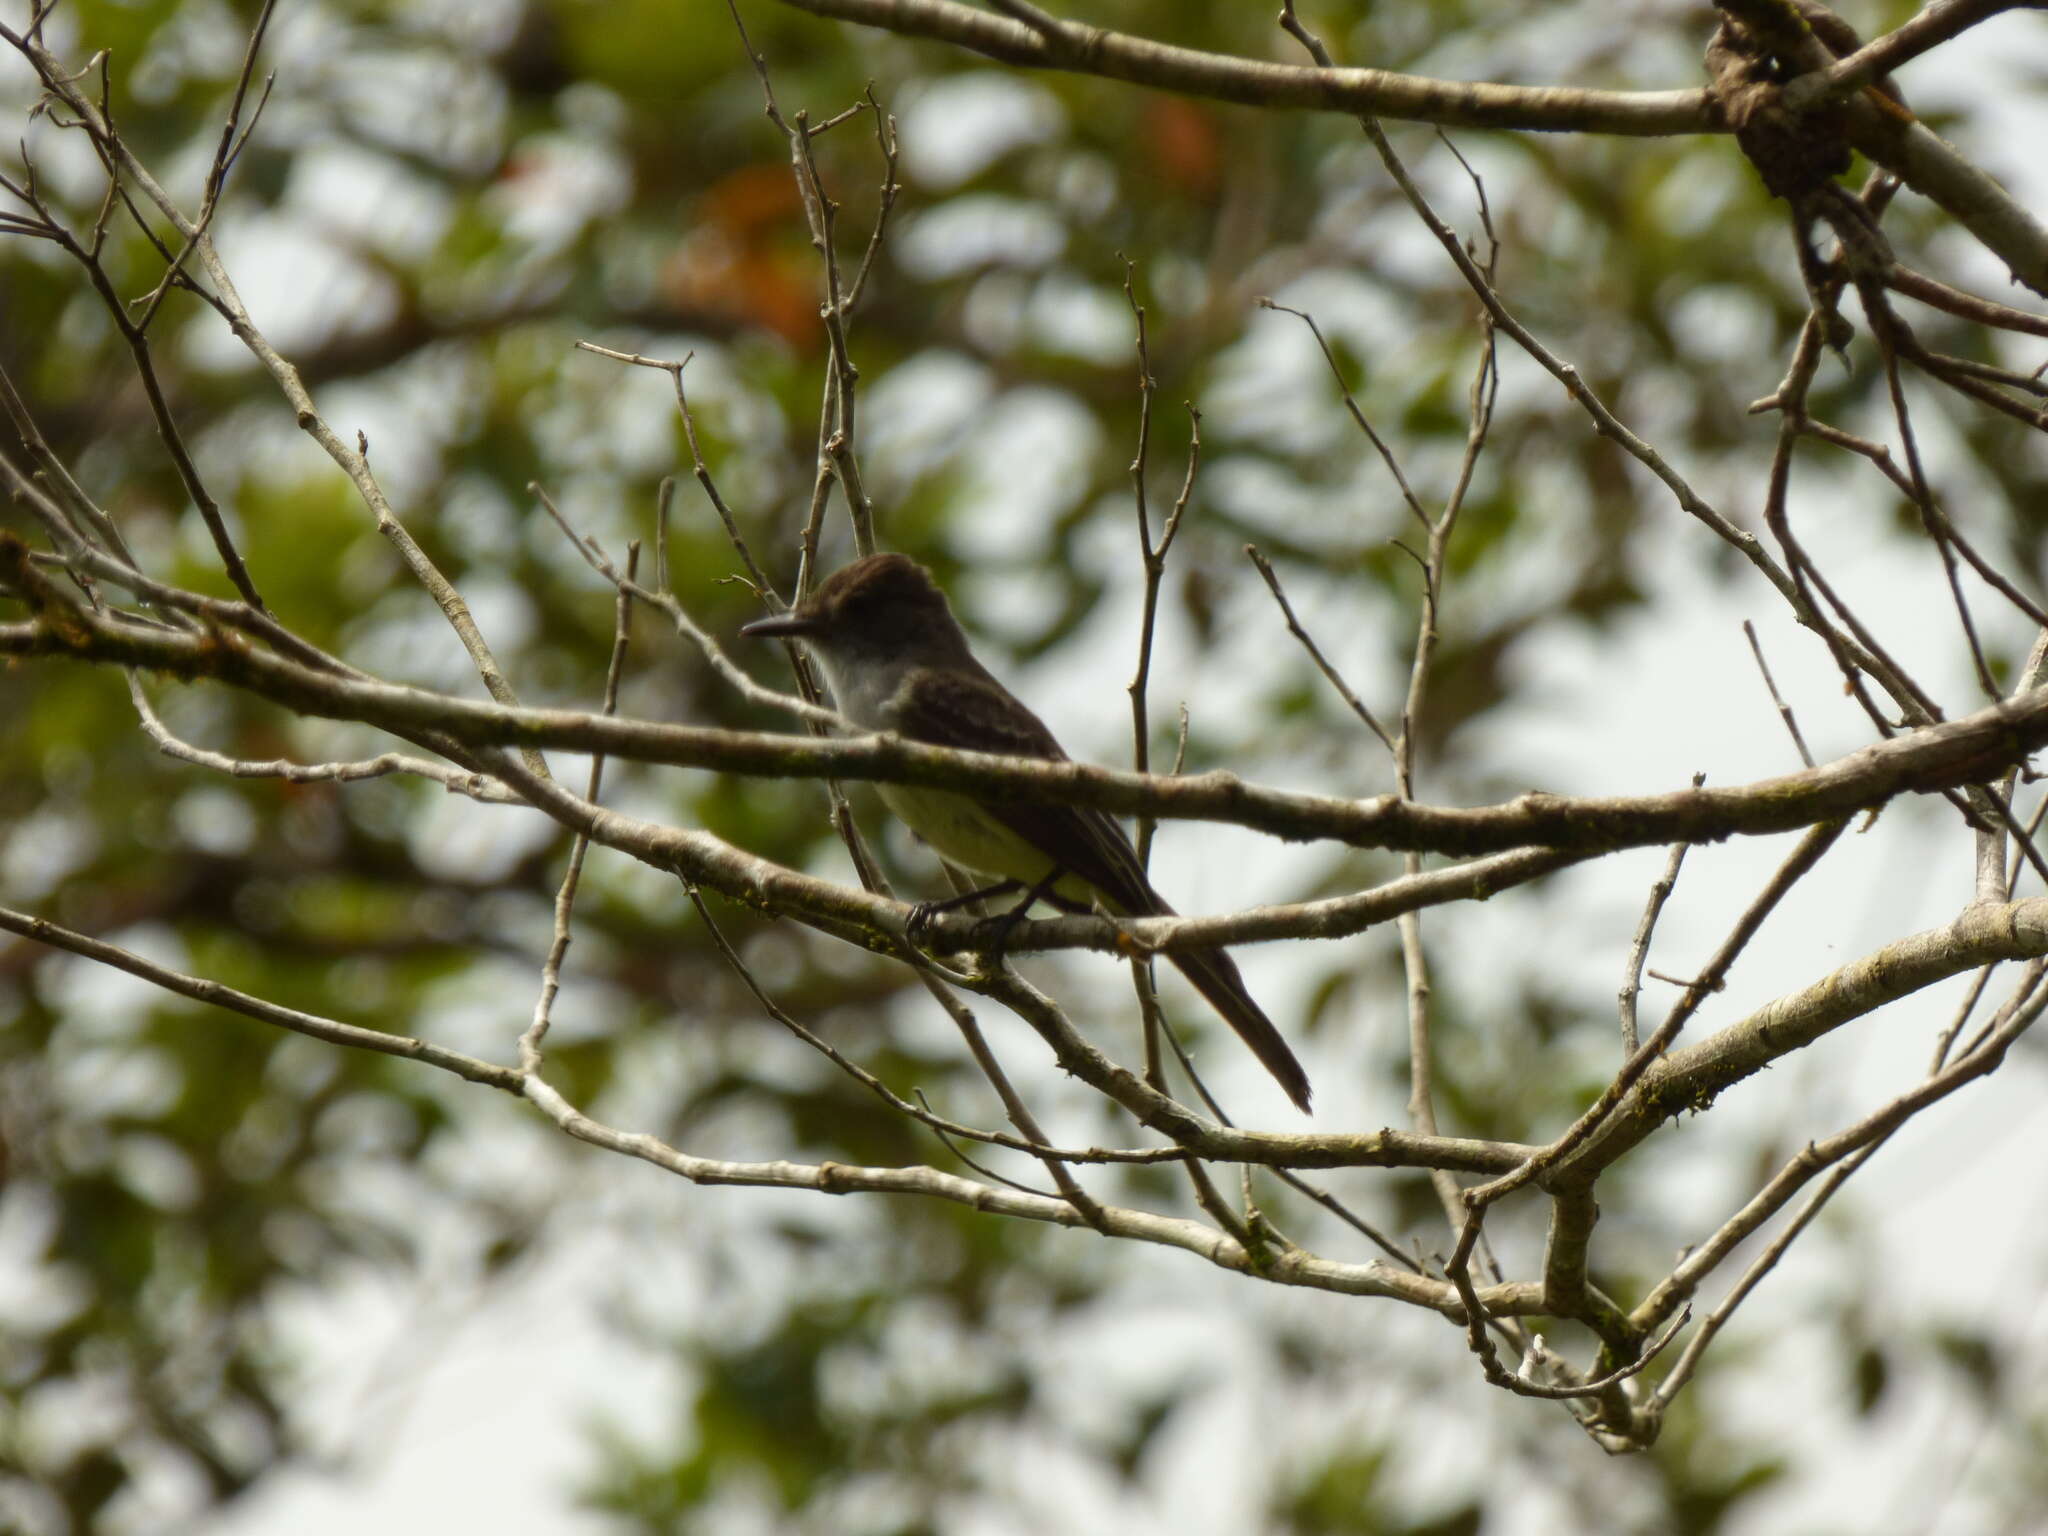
[896, 659]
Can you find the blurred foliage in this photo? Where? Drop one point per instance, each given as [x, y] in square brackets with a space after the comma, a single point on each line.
[439, 200]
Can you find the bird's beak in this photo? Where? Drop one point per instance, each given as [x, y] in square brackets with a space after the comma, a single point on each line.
[791, 623]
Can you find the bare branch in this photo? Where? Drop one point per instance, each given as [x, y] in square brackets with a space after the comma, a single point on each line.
[1120, 56]
[1970, 749]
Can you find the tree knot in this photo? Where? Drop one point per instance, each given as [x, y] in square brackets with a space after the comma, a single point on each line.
[1758, 47]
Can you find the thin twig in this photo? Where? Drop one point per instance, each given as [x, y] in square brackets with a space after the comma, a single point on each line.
[1784, 710]
[579, 844]
[1315, 652]
[1639, 947]
[674, 370]
[461, 781]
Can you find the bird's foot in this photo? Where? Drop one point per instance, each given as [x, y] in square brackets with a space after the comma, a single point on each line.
[917, 927]
[992, 934]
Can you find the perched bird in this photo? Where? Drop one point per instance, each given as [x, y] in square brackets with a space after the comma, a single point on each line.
[896, 660]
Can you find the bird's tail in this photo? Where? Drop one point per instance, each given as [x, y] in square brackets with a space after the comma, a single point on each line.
[1215, 976]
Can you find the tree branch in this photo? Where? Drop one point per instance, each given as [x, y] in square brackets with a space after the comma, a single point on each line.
[1690, 1078]
[1260, 83]
[1972, 749]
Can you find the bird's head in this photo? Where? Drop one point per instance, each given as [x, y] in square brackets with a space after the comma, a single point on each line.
[882, 606]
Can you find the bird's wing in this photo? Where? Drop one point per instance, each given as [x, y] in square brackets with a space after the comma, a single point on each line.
[975, 713]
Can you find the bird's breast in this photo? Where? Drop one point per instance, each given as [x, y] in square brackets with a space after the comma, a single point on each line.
[962, 832]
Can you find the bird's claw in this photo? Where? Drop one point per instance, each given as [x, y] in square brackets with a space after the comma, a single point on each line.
[917, 928]
[992, 934]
